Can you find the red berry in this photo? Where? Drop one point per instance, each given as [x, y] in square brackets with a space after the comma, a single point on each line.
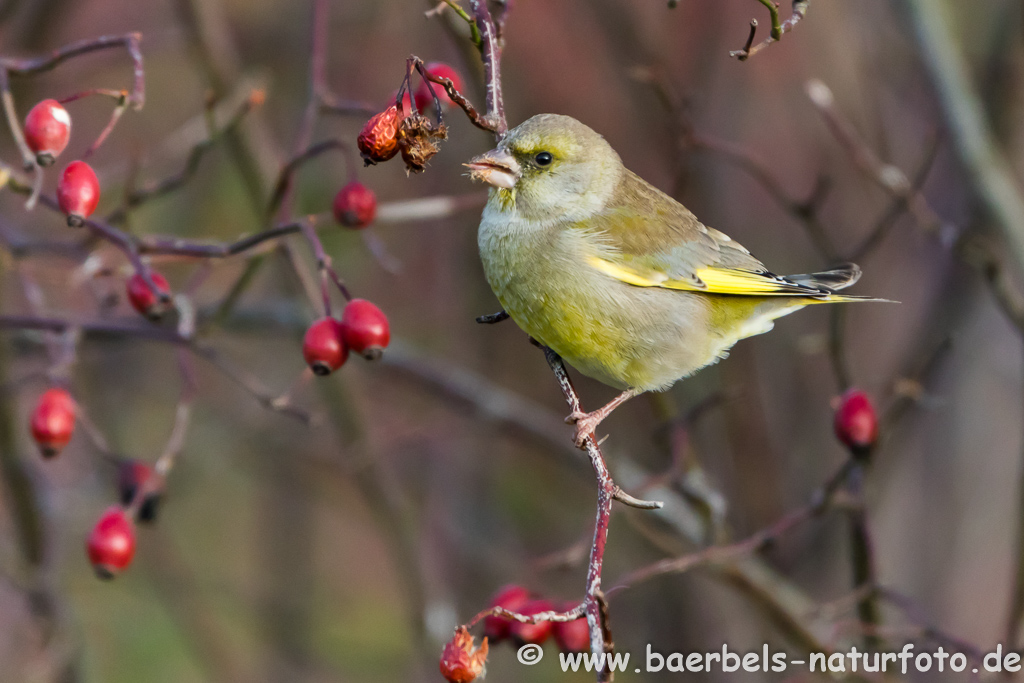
[460, 662]
[378, 141]
[856, 423]
[531, 633]
[355, 205]
[53, 421]
[145, 300]
[423, 97]
[132, 475]
[78, 192]
[510, 598]
[365, 328]
[111, 544]
[47, 130]
[324, 346]
[572, 636]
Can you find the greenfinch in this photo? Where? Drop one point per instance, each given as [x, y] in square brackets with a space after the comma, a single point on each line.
[615, 276]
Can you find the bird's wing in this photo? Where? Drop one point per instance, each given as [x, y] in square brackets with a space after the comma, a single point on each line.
[647, 239]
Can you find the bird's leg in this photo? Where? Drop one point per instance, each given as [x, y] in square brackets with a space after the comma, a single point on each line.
[586, 423]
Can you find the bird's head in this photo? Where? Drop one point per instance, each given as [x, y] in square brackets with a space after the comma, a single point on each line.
[550, 167]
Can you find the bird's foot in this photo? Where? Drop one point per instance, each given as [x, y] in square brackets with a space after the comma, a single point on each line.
[585, 423]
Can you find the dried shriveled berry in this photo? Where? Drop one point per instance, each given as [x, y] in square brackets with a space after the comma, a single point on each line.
[365, 329]
[47, 131]
[355, 205]
[416, 139]
[78, 192]
[53, 421]
[111, 544]
[145, 300]
[324, 346]
[378, 141]
[460, 661]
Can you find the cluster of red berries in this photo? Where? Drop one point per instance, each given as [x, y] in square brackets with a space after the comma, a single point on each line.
[462, 663]
[47, 131]
[856, 422]
[570, 636]
[363, 329]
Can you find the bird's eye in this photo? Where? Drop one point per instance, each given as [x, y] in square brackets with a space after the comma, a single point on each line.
[544, 158]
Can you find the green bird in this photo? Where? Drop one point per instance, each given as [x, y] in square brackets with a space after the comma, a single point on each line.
[615, 276]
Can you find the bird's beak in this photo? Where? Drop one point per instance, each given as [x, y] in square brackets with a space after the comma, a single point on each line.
[497, 167]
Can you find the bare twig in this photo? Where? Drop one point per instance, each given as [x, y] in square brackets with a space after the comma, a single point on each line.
[778, 29]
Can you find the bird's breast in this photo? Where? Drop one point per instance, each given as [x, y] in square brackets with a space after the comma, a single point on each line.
[541, 278]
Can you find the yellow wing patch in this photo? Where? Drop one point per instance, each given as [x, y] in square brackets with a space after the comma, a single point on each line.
[729, 281]
[708, 280]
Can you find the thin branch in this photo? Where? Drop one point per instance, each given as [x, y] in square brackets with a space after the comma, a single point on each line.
[283, 186]
[130, 41]
[820, 502]
[778, 29]
[490, 51]
[989, 172]
[890, 178]
[156, 189]
[606, 489]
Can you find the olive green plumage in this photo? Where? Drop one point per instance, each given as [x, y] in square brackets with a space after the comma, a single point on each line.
[614, 275]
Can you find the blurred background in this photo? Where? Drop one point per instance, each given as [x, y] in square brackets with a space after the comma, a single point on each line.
[349, 551]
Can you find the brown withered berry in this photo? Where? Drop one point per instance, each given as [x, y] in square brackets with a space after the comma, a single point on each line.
[416, 139]
[460, 661]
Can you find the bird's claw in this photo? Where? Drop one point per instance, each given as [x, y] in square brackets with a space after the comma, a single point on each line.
[585, 423]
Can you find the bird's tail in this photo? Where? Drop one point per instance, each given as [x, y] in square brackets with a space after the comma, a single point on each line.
[831, 281]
